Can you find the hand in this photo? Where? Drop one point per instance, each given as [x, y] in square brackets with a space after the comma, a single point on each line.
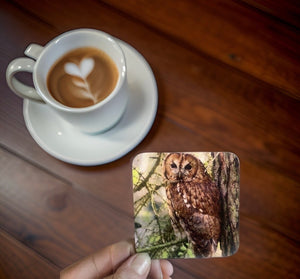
[118, 261]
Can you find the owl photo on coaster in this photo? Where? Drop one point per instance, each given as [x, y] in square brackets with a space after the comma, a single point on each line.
[186, 204]
[193, 201]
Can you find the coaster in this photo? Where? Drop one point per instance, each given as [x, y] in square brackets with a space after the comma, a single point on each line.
[186, 204]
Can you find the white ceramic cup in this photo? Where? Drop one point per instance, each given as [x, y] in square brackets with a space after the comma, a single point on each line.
[93, 119]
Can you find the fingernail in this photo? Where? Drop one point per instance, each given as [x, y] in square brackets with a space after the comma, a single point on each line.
[141, 263]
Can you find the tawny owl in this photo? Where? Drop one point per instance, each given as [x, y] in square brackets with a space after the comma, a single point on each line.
[194, 202]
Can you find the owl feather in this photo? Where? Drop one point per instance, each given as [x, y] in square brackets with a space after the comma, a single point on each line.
[193, 201]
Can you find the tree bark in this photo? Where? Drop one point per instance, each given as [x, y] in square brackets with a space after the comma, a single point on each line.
[226, 175]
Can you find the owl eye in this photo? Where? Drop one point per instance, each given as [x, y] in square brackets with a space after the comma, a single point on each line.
[173, 166]
[188, 167]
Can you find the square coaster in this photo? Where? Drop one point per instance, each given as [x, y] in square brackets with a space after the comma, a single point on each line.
[186, 204]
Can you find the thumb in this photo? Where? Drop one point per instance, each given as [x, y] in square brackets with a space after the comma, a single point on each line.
[136, 267]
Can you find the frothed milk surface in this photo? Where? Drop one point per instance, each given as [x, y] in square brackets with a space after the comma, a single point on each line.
[82, 77]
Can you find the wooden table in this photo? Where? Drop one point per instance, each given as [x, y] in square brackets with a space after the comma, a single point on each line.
[228, 79]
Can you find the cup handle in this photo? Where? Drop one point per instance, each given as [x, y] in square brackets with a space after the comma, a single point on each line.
[23, 65]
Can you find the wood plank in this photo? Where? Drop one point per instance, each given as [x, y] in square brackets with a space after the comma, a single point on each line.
[287, 11]
[230, 32]
[211, 106]
[220, 104]
[18, 261]
[41, 211]
[260, 188]
[215, 94]
[216, 87]
[54, 218]
[263, 253]
[12, 19]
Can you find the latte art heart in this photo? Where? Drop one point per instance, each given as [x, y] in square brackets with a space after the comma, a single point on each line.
[83, 70]
[82, 77]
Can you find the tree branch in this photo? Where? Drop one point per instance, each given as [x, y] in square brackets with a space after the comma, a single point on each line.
[145, 181]
[161, 246]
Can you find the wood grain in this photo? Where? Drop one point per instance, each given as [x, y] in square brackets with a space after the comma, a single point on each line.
[230, 32]
[33, 196]
[286, 11]
[228, 80]
[262, 259]
[38, 209]
[18, 261]
[204, 88]
[208, 83]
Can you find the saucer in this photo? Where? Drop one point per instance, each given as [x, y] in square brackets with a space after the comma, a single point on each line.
[61, 140]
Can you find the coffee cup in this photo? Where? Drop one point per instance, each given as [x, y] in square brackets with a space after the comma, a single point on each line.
[81, 75]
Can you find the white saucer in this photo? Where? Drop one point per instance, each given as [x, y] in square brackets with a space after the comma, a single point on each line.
[62, 141]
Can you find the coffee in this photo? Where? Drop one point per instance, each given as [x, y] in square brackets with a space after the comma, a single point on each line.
[82, 77]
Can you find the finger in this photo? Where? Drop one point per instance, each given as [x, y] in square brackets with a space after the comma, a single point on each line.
[100, 264]
[136, 267]
[167, 268]
[161, 269]
[155, 272]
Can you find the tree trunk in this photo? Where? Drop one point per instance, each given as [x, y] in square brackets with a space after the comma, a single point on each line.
[226, 175]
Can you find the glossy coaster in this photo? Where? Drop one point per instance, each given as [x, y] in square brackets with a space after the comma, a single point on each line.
[186, 204]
